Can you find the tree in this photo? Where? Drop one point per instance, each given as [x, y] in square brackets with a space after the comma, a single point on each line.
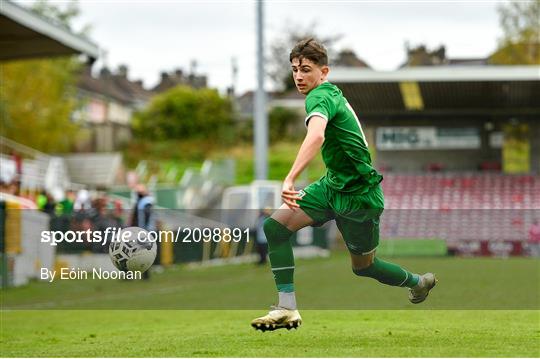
[61, 16]
[279, 67]
[520, 43]
[37, 97]
[282, 121]
[185, 113]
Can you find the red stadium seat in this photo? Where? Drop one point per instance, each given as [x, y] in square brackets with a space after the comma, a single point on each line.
[457, 207]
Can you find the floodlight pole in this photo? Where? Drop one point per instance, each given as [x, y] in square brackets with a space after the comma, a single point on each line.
[260, 115]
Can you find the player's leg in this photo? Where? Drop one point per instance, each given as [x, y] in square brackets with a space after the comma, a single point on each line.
[392, 274]
[360, 229]
[368, 265]
[278, 230]
[361, 236]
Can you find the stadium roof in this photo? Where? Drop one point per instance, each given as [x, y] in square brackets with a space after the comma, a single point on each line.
[442, 89]
[24, 34]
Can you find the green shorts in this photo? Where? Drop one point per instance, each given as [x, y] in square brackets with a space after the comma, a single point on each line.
[357, 215]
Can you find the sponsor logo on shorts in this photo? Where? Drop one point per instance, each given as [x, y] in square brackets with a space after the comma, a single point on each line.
[301, 193]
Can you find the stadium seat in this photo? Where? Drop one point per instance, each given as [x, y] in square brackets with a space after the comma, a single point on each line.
[460, 206]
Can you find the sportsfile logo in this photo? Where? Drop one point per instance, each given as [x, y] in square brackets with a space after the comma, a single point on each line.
[89, 236]
[181, 234]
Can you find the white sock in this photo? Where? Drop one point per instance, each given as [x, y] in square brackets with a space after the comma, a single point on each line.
[287, 300]
[420, 282]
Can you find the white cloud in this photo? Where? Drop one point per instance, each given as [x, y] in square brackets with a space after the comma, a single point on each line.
[152, 36]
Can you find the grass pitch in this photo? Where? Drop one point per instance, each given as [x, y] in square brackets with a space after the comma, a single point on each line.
[344, 316]
[212, 333]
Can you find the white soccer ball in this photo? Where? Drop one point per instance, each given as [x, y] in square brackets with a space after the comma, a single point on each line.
[133, 250]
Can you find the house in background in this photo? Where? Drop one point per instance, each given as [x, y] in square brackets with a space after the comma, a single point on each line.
[105, 110]
[422, 56]
[177, 77]
[109, 100]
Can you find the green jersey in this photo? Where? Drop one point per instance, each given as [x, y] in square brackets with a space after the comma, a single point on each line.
[345, 149]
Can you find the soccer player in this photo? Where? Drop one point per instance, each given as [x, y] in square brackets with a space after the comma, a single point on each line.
[349, 192]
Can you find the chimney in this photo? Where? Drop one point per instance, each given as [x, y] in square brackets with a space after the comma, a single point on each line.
[105, 72]
[441, 52]
[123, 71]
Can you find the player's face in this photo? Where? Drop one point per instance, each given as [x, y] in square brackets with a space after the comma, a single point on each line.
[307, 75]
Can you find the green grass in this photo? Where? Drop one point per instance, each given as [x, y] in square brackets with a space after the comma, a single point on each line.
[227, 333]
[465, 283]
[281, 156]
[163, 155]
[481, 307]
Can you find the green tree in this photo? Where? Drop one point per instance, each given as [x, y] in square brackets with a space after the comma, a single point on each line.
[282, 121]
[520, 43]
[279, 67]
[185, 113]
[37, 97]
[57, 14]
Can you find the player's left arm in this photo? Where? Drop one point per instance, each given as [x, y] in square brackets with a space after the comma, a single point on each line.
[310, 147]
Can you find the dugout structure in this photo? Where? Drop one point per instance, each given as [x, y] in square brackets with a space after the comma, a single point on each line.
[456, 118]
[25, 34]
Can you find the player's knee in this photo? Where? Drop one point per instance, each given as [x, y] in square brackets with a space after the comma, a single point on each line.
[362, 270]
[361, 266]
[275, 231]
[267, 227]
[362, 262]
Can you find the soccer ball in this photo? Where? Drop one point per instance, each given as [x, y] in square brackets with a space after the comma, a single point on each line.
[132, 250]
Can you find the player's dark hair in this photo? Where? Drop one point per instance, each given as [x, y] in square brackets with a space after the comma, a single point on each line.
[309, 49]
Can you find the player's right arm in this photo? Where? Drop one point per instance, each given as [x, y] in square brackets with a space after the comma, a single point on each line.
[310, 147]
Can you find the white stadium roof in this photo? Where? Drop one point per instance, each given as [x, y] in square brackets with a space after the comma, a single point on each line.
[437, 74]
[24, 34]
[484, 89]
